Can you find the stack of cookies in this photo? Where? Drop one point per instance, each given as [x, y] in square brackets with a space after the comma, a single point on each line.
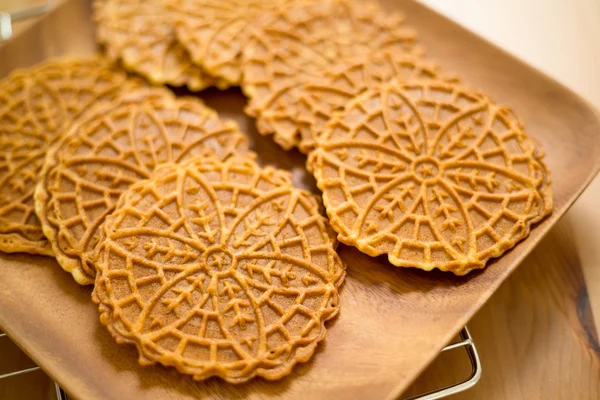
[199, 256]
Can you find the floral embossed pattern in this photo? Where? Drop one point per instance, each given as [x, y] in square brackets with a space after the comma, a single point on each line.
[431, 174]
[215, 31]
[140, 33]
[219, 269]
[36, 106]
[103, 155]
[297, 114]
[305, 42]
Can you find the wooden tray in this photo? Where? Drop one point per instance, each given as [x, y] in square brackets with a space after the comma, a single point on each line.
[393, 321]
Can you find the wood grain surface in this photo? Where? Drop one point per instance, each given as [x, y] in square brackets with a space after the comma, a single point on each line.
[536, 336]
[427, 309]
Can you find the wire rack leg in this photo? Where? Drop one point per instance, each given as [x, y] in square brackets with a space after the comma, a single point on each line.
[60, 394]
[466, 341]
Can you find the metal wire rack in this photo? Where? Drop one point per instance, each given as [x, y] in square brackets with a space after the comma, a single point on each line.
[60, 394]
[466, 341]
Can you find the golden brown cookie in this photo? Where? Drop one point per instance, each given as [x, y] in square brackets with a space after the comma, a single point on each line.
[295, 114]
[215, 31]
[36, 105]
[432, 174]
[219, 269]
[141, 34]
[293, 46]
[103, 155]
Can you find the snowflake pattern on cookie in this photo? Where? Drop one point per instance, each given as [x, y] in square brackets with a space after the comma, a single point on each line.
[296, 45]
[219, 269]
[37, 105]
[297, 114]
[214, 32]
[103, 155]
[140, 34]
[432, 174]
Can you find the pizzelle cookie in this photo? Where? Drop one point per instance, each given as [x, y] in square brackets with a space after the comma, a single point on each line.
[140, 33]
[36, 106]
[293, 46]
[296, 114]
[103, 155]
[219, 269]
[215, 31]
[431, 174]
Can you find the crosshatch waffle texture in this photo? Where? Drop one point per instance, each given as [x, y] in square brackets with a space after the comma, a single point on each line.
[36, 106]
[141, 35]
[215, 31]
[219, 269]
[432, 174]
[295, 45]
[103, 155]
[298, 114]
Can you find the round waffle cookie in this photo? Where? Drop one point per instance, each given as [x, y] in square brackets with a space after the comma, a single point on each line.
[431, 174]
[296, 114]
[140, 33]
[215, 31]
[295, 45]
[103, 155]
[219, 269]
[36, 106]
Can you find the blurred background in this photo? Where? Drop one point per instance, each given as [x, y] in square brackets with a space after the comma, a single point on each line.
[536, 336]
